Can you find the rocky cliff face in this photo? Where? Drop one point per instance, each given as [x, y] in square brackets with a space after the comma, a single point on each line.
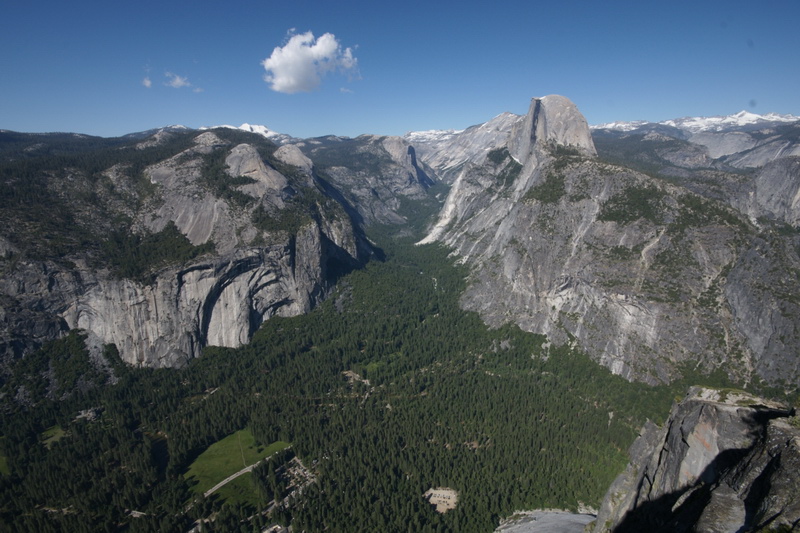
[551, 121]
[657, 258]
[724, 461]
[648, 277]
[218, 302]
[266, 242]
[374, 174]
[775, 192]
[515, 161]
[448, 151]
[765, 145]
[755, 171]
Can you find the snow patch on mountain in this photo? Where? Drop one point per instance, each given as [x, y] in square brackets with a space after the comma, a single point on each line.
[448, 150]
[720, 123]
[274, 136]
[703, 124]
[430, 136]
[619, 126]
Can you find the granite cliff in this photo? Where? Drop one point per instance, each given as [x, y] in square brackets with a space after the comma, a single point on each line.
[448, 151]
[373, 174]
[650, 276]
[724, 461]
[245, 231]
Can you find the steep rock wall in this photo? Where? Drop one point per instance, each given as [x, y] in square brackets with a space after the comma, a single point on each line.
[373, 174]
[447, 152]
[218, 302]
[777, 191]
[554, 120]
[649, 279]
[724, 462]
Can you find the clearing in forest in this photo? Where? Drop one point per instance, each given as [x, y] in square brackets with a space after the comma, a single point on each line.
[442, 498]
[228, 456]
[52, 435]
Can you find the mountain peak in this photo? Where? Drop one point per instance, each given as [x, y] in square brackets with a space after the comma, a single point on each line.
[274, 136]
[551, 119]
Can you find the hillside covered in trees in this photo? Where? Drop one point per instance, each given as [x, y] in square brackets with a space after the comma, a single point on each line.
[386, 390]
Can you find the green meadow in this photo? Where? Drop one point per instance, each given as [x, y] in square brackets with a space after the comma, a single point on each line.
[52, 435]
[225, 457]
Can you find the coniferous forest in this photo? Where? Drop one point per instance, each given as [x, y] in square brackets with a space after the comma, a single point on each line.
[384, 391]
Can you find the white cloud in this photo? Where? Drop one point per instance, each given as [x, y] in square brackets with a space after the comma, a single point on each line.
[147, 82]
[300, 65]
[175, 81]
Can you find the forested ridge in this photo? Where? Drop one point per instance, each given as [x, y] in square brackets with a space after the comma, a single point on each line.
[76, 195]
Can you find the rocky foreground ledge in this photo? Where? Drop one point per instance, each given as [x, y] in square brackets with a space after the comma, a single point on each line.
[724, 461]
[546, 521]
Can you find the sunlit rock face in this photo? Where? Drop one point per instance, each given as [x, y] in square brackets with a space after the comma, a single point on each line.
[373, 174]
[687, 265]
[551, 120]
[218, 302]
[274, 243]
[646, 276]
[448, 151]
[776, 192]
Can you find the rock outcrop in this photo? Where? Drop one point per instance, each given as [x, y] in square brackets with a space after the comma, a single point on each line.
[724, 461]
[743, 141]
[653, 277]
[776, 192]
[551, 121]
[768, 189]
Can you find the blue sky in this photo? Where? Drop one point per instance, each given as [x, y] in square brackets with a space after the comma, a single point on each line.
[390, 67]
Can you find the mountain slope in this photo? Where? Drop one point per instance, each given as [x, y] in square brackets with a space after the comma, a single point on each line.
[163, 245]
[658, 258]
[447, 151]
[652, 280]
[655, 257]
[737, 121]
[744, 140]
[374, 174]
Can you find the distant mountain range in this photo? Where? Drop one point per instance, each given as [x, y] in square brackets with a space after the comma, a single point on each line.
[625, 250]
[737, 121]
[274, 136]
[741, 121]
